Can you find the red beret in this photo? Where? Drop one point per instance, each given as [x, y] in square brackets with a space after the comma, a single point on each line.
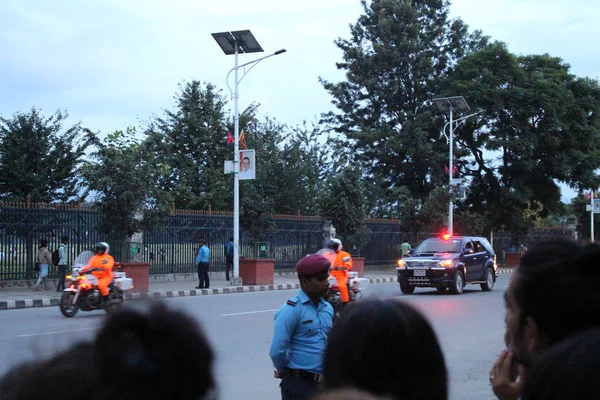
[313, 264]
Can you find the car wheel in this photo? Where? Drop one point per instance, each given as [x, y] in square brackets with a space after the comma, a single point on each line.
[489, 280]
[458, 283]
[407, 289]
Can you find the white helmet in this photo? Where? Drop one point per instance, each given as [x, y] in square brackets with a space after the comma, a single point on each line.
[103, 246]
[335, 244]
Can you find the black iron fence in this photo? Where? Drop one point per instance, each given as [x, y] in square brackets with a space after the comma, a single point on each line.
[503, 242]
[172, 247]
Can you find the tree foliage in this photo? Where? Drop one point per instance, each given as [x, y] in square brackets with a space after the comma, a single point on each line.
[393, 60]
[39, 159]
[190, 143]
[343, 203]
[120, 173]
[539, 126]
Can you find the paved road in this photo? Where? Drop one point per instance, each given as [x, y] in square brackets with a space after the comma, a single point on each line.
[469, 326]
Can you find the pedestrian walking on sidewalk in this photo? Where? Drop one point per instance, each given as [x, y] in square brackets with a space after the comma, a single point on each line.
[63, 263]
[44, 259]
[301, 329]
[202, 264]
[228, 258]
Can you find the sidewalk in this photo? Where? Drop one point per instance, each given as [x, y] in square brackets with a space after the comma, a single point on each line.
[26, 297]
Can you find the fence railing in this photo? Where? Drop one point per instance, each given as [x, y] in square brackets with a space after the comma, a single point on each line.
[172, 247]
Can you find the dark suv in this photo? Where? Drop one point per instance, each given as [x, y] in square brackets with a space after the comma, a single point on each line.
[449, 262]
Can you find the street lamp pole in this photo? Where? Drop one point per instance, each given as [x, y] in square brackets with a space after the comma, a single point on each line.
[233, 43]
[450, 176]
[450, 104]
[592, 216]
[236, 178]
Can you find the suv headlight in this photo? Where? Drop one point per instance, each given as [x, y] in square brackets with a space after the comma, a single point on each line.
[401, 263]
[446, 263]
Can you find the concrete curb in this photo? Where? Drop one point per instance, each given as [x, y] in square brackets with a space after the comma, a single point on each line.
[37, 303]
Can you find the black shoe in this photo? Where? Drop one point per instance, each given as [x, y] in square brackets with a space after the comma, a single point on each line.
[206, 287]
[198, 287]
[227, 279]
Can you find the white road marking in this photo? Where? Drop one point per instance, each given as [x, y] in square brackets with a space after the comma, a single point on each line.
[249, 312]
[55, 332]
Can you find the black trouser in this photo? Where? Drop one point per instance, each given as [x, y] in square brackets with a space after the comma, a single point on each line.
[296, 387]
[203, 279]
[228, 265]
[62, 271]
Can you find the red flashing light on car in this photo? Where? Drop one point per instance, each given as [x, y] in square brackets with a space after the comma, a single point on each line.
[446, 236]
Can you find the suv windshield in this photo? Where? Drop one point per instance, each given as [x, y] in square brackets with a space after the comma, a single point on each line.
[438, 246]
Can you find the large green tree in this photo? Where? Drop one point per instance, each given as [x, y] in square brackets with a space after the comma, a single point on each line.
[40, 159]
[343, 203]
[121, 176]
[393, 61]
[540, 125]
[302, 168]
[190, 143]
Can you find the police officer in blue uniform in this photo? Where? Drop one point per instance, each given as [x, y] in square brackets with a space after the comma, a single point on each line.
[301, 329]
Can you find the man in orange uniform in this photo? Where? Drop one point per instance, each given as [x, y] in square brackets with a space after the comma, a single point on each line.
[340, 267]
[102, 266]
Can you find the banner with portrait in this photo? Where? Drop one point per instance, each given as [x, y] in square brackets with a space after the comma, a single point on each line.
[247, 165]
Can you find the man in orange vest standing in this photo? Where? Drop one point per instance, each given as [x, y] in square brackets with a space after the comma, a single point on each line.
[101, 266]
[340, 267]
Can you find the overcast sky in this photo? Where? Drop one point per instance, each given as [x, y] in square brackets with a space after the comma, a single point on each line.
[114, 63]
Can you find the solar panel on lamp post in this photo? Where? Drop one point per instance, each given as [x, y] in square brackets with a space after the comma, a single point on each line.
[451, 104]
[234, 43]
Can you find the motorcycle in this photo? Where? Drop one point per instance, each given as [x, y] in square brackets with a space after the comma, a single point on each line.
[356, 287]
[82, 291]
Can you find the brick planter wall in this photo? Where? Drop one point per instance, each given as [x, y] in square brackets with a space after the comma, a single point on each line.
[512, 260]
[358, 265]
[139, 272]
[257, 271]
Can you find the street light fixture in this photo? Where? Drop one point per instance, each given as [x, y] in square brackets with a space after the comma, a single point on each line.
[236, 42]
[451, 104]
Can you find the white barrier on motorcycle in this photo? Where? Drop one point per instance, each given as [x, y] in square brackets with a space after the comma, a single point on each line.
[122, 281]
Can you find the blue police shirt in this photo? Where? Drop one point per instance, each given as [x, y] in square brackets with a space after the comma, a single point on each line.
[300, 336]
[203, 254]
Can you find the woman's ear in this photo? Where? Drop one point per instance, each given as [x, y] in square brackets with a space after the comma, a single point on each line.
[531, 335]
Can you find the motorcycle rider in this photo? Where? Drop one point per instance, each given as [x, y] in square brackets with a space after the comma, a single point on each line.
[340, 267]
[101, 265]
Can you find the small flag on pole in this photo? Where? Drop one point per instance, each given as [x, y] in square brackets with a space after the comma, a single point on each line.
[230, 139]
[243, 141]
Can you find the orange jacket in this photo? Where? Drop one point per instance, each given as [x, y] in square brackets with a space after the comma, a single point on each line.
[105, 262]
[342, 264]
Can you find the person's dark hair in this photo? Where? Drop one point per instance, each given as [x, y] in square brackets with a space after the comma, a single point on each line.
[43, 243]
[49, 379]
[231, 239]
[64, 239]
[569, 370]
[556, 285]
[246, 158]
[202, 241]
[160, 354]
[385, 347]
[163, 354]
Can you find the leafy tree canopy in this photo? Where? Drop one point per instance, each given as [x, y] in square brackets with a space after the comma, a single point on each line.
[39, 159]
